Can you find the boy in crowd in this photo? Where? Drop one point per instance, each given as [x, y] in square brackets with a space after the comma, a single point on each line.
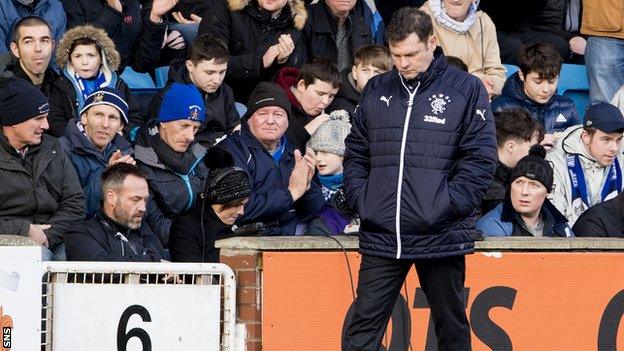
[534, 88]
[328, 144]
[588, 161]
[205, 68]
[516, 132]
[370, 60]
[526, 211]
[309, 90]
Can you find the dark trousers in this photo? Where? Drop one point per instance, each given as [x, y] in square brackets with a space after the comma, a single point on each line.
[379, 284]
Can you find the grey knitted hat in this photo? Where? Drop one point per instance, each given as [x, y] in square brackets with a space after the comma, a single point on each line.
[330, 136]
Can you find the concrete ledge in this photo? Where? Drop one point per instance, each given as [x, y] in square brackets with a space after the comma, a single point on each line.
[16, 240]
[307, 243]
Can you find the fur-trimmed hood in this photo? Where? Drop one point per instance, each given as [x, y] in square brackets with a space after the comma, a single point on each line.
[110, 56]
[297, 8]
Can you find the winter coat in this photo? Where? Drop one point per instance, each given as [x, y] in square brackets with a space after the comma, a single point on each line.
[497, 190]
[90, 163]
[193, 235]
[10, 67]
[595, 174]
[605, 219]
[101, 239]
[249, 32]
[221, 115]
[556, 115]
[136, 37]
[11, 11]
[503, 220]
[347, 97]
[66, 99]
[416, 191]
[603, 18]
[271, 203]
[477, 48]
[296, 133]
[320, 33]
[41, 188]
[171, 193]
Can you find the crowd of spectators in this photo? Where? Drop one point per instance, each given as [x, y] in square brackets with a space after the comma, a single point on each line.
[165, 179]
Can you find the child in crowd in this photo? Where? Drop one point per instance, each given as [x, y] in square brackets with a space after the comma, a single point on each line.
[328, 144]
[89, 60]
[370, 60]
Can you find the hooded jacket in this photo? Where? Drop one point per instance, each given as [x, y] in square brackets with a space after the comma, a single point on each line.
[556, 115]
[11, 11]
[89, 162]
[503, 220]
[221, 115]
[136, 37]
[321, 28]
[101, 239]
[595, 174]
[249, 32]
[10, 67]
[171, 193]
[271, 203]
[418, 174]
[65, 99]
[41, 188]
[605, 219]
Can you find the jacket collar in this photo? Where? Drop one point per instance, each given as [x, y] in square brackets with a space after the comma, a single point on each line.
[514, 88]
[423, 80]
[550, 215]
[251, 140]
[81, 144]
[324, 19]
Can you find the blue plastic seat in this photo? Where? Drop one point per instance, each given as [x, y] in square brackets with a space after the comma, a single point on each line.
[138, 82]
[573, 84]
[162, 75]
[511, 69]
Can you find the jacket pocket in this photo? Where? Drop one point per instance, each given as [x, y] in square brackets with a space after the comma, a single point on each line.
[425, 202]
[376, 202]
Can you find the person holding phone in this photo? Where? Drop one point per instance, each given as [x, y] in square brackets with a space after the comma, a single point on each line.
[94, 142]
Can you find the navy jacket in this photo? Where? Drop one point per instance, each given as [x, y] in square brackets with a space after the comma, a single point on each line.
[418, 162]
[503, 220]
[556, 115]
[270, 199]
[90, 163]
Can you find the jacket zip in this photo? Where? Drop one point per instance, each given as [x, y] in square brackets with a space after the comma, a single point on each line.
[408, 114]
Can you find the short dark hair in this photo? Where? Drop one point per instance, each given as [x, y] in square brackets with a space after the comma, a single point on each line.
[540, 58]
[208, 47]
[516, 124]
[320, 68]
[375, 55]
[457, 62]
[114, 176]
[408, 20]
[28, 21]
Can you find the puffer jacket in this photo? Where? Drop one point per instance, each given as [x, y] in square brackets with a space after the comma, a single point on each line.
[604, 220]
[556, 115]
[221, 115]
[249, 32]
[90, 163]
[418, 174]
[271, 203]
[65, 99]
[11, 11]
[171, 193]
[603, 18]
[570, 144]
[46, 192]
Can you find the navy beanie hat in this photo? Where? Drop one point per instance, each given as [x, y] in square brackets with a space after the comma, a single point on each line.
[268, 94]
[20, 101]
[107, 96]
[182, 101]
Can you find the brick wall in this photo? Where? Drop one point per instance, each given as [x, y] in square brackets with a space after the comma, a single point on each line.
[247, 266]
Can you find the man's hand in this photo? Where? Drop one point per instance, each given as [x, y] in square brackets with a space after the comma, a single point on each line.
[285, 47]
[300, 177]
[160, 8]
[174, 40]
[316, 122]
[488, 83]
[270, 55]
[310, 159]
[577, 45]
[118, 158]
[36, 233]
[115, 4]
[182, 20]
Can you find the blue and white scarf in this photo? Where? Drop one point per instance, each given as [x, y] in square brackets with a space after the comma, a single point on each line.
[580, 197]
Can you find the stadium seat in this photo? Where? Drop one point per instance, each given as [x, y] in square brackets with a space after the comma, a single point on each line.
[241, 109]
[511, 69]
[574, 85]
[138, 82]
[162, 74]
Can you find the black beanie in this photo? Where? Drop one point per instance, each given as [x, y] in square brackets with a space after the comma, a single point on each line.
[268, 94]
[20, 101]
[225, 182]
[535, 167]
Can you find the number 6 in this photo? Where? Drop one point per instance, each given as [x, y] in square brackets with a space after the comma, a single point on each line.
[123, 337]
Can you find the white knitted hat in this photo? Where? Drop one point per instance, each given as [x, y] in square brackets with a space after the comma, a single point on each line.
[330, 135]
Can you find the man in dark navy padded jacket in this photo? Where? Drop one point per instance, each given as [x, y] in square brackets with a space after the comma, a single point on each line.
[420, 156]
